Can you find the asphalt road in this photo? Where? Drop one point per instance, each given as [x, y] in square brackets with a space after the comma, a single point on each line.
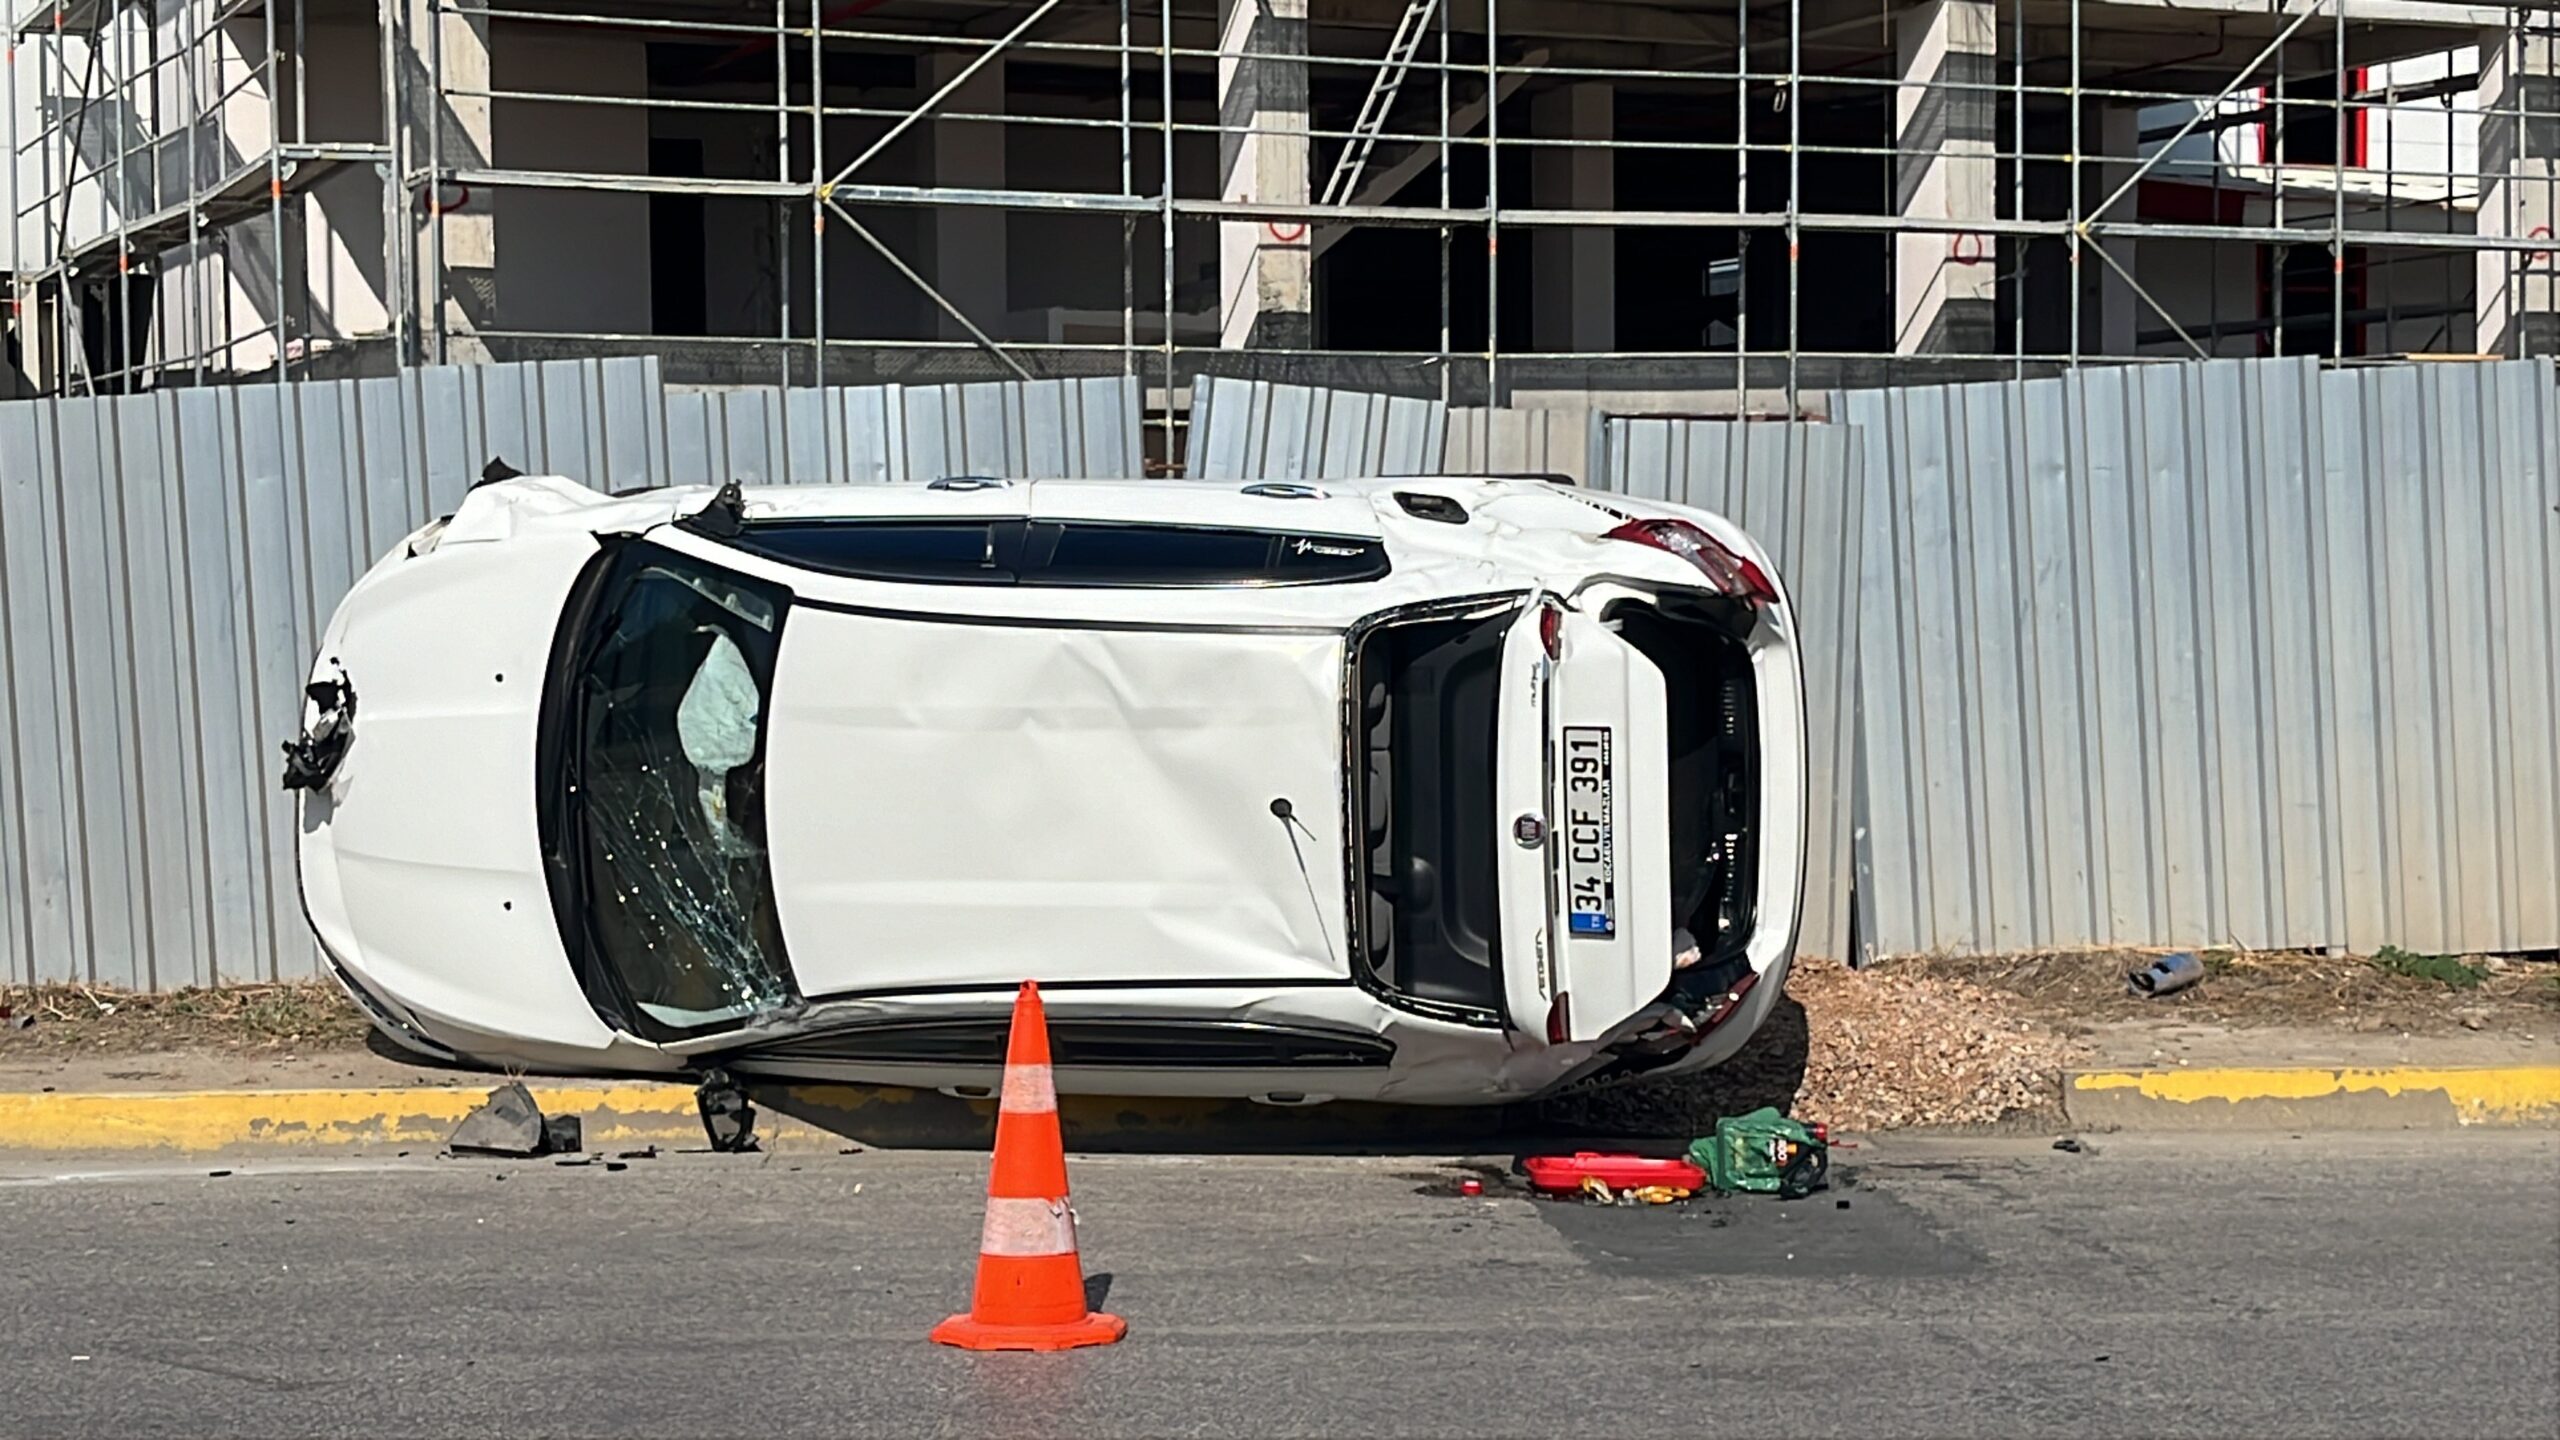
[2386, 1285]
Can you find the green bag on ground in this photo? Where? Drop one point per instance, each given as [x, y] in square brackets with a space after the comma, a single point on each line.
[1763, 1152]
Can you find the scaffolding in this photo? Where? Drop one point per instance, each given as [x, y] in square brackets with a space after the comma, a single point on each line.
[189, 179]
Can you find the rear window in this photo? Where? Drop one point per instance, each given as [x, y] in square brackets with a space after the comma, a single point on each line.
[1064, 553]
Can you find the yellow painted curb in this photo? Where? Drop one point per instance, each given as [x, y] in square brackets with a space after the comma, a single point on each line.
[645, 1113]
[199, 1121]
[2486, 1095]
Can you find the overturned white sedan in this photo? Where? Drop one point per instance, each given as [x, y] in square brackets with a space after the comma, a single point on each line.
[1433, 790]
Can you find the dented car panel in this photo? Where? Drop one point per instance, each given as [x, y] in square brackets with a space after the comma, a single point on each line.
[804, 782]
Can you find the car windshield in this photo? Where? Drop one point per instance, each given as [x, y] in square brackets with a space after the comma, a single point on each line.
[679, 895]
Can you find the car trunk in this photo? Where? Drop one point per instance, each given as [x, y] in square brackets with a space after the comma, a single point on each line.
[1094, 805]
[1586, 756]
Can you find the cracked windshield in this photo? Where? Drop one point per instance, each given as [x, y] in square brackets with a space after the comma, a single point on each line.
[672, 765]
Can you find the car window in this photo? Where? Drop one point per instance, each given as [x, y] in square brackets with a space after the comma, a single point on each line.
[1093, 553]
[948, 551]
[668, 788]
[1064, 553]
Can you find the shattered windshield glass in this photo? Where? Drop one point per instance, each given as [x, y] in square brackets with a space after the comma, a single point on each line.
[670, 770]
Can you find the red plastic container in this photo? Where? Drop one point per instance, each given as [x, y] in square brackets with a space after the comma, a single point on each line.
[1565, 1173]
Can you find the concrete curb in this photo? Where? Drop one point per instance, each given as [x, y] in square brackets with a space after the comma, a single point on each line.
[809, 1118]
[2402, 1097]
[624, 1114]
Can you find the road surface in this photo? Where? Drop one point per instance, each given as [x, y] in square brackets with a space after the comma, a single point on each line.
[2204, 1285]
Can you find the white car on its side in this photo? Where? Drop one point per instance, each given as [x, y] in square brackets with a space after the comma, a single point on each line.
[1441, 790]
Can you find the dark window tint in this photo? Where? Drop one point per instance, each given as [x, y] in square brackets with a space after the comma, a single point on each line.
[1155, 554]
[934, 550]
[1005, 552]
[1103, 554]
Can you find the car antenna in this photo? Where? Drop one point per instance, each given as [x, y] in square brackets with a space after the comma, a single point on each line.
[724, 517]
[1287, 815]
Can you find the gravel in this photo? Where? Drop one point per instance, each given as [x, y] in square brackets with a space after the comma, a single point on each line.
[1857, 1050]
[1892, 1049]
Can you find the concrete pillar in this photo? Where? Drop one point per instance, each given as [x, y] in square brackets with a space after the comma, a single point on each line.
[2517, 304]
[449, 52]
[969, 247]
[1574, 281]
[1944, 282]
[2122, 314]
[1266, 268]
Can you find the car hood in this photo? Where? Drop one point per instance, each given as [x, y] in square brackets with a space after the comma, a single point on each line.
[956, 804]
[427, 830]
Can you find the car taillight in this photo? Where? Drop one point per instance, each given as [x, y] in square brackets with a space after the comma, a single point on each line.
[1727, 571]
[1551, 629]
[1560, 1019]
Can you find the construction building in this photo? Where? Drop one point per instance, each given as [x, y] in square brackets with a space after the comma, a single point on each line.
[1704, 205]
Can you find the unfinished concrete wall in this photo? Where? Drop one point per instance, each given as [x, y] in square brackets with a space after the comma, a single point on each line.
[570, 260]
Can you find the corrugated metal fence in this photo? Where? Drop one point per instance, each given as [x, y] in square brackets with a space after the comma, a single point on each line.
[167, 562]
[1262, 430]
[2245, 651]
[875, 434]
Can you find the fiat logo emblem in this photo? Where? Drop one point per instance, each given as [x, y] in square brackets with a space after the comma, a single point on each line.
[1529, 830]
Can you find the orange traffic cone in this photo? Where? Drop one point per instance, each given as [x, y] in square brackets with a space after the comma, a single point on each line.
[1030, 1292]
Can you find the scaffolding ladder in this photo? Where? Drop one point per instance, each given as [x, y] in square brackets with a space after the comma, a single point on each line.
[1401, 48]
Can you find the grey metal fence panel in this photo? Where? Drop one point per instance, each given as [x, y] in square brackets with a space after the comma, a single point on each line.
[1799, 490]
[1483, 440]
[1262, 430]
[2241, 652]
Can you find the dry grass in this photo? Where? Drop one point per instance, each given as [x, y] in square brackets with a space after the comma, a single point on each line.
[2074, 990]
[294, 1015]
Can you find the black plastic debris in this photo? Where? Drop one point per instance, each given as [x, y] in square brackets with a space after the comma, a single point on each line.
[562, 1134]
[312, 756]
[507, 1123]
[2166, 976]
[728, 1117]
[2068, 1144]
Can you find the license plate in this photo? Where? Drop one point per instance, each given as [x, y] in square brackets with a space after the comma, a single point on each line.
[1590, 849]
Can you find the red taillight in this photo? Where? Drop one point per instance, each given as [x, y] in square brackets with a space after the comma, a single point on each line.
[1560, 1019]
[1727, 571]
[1551, 629]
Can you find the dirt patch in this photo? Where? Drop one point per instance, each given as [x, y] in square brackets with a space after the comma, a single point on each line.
[1872, 1050]
[2077, 993]
[246, 1020]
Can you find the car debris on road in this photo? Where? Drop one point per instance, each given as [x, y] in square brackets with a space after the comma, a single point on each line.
[2166, 975]
[511, 1123]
